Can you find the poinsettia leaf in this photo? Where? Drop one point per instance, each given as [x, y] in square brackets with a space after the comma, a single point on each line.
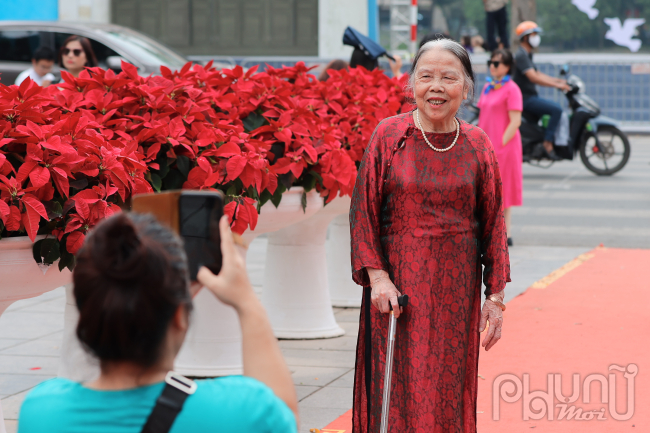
[235, 166]
[39, 176]
[173, 180]
[36, 251]
[81, 205]
[53, 209]
[67, 259]
[50, 250]
[183, 164]
[30, 220]
[253, 121]
[4, 211]
[13, 220]
[32, 202]
[156, 182]
[74, 242]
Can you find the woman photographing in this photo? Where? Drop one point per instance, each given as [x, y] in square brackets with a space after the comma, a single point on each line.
[426, 215]
[501, 104]
[133, 292]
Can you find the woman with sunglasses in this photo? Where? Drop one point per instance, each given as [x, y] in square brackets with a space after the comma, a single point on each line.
[76, 54]
[501, 105]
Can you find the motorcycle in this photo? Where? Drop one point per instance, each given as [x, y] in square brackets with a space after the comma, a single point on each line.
[604, 149]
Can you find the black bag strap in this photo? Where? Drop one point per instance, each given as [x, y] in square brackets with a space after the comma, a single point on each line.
[169, 404]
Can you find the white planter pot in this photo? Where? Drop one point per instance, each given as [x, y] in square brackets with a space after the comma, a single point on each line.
[212, 346]
[22, 278]
[343, 291]
[295, 293]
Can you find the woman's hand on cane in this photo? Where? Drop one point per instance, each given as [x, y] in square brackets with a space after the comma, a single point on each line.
[383, 291]
[491, 312]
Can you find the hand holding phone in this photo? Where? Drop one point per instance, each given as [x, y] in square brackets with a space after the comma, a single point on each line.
[231, 286]
[195, 216]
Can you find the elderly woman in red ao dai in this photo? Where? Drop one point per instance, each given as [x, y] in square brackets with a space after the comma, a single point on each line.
[426, 216]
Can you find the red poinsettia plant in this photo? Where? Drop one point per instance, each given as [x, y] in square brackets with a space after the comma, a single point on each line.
[75, 153]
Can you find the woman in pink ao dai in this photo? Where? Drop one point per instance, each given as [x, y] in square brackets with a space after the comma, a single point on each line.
[500, 117]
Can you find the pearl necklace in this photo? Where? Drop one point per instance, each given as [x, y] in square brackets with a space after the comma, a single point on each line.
[417, 116]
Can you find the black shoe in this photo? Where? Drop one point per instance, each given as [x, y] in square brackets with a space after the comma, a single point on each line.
[509, 242]
[552, 155]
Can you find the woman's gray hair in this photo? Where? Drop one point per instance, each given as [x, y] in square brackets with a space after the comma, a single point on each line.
[453, 47]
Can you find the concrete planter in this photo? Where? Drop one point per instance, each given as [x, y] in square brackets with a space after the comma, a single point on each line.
[213, 343]
[343, 291]
[296, 294]
[22, 278]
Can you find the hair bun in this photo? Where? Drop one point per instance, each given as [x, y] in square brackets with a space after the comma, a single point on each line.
[118, 250]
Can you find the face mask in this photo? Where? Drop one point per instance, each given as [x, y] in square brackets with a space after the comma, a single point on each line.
[535, 40]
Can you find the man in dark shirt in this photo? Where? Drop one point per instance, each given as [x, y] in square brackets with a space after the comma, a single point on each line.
[527, 77]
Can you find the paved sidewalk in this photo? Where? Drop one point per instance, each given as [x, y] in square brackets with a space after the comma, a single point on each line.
[323, 370]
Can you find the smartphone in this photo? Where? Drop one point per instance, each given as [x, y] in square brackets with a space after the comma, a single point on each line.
[194, 215]
[198, 220]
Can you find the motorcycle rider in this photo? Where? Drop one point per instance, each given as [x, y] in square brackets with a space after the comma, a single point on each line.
[526, 75]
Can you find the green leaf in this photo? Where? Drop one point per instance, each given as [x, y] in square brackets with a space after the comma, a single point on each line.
[317, 176]
[303, 202]
[53, 209]
[309, 183]
[50, 250]
[79, 183]
[232, 190]
[156, 182]
[277, 197]
[183, 165]
[286, 179]
[253, 121]
[67, 259]
[264, 197]
[174, 180]
[163, 163]
[36, 251]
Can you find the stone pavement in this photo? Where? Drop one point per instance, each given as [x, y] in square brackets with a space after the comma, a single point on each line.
[323, 370]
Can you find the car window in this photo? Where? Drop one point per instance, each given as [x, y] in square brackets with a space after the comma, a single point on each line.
[18, 45]
[101, 51]
[147, 51]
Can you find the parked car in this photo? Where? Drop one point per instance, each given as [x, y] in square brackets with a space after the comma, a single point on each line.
[111, 43]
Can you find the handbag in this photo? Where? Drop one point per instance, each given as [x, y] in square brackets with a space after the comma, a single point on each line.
[169, 404]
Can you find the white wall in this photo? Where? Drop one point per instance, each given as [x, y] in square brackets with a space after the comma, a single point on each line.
[97, 11]
[333, 17]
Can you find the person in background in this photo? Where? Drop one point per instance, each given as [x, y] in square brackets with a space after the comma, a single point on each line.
[526, 76]
[477, 44]
[132, 288]
[466, 42]
[76, 54]
[501, 105]
[336, 65]
[496, 17]
[41, 70]
[367, 52]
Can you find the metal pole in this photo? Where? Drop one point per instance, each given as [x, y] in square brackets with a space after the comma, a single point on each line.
[414, 27]
[385, 404]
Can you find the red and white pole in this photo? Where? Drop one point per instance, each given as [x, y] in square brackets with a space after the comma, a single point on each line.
[414, 27]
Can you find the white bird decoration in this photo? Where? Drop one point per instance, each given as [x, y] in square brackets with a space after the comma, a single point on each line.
[586, 6]
[622, 35]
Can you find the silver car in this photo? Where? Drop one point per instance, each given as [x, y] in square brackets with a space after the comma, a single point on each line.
[111, 43]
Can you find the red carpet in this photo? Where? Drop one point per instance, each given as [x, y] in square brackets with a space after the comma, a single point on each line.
[573, 324]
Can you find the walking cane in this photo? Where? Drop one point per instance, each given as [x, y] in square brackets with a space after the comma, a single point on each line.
[402, 301]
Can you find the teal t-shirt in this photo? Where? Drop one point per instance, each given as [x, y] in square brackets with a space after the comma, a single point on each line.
[232, 404]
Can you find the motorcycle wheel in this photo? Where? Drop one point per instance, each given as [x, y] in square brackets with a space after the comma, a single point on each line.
[606, 151]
